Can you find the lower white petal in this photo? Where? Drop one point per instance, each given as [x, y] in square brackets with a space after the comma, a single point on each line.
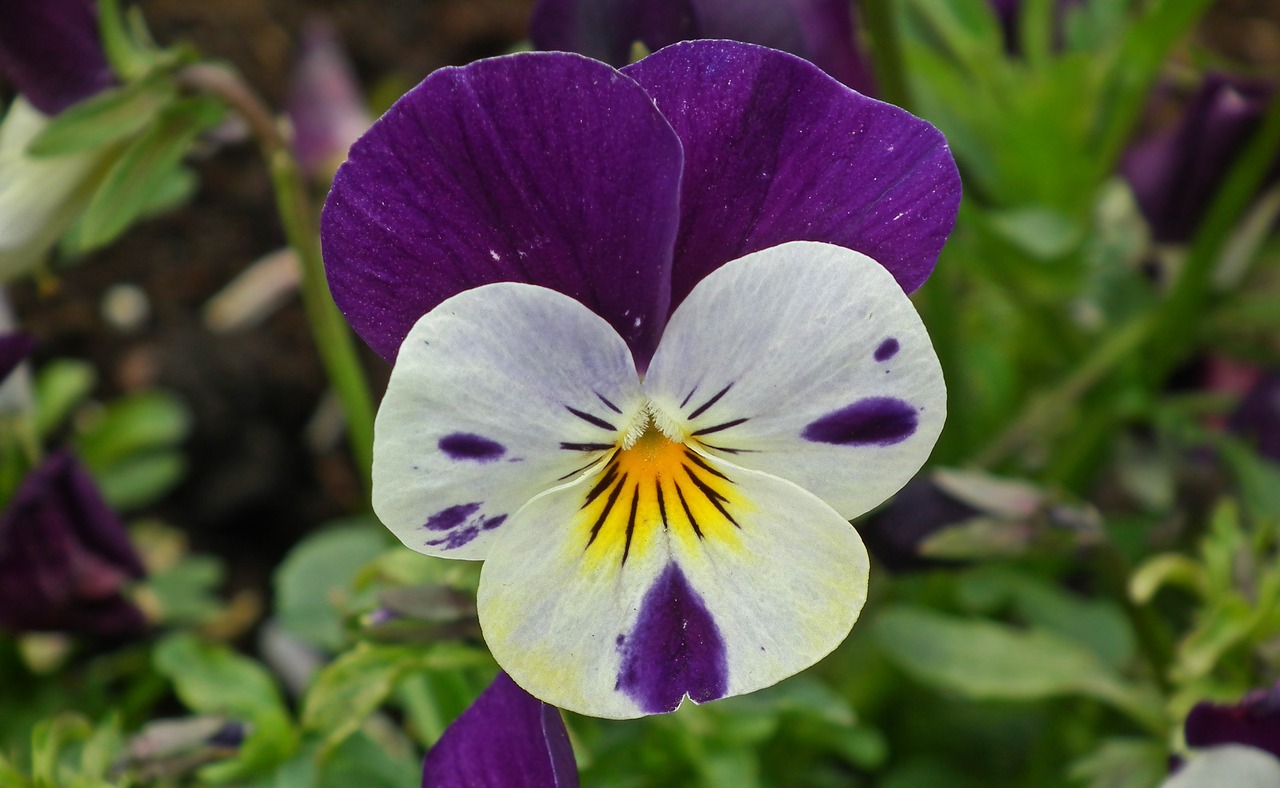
[808, 362]
[498, 394]
[40, 198]
[667, 576]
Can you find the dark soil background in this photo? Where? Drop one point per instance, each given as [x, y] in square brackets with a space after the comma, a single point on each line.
[255, 486]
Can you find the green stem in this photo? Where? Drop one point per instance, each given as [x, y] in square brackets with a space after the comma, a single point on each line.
[878, 17]
[297, 214]
[1153, 639]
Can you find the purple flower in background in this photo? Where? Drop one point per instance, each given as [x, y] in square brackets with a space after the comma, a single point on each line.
[14, 349]
[49, 52]
[1176, 173]
[820, 31]
[64, 556]
[1009, 14]
[324, 101]
[1258, 417]
[919, 510]
[640, 369]
[1253, 721]
[506, 739]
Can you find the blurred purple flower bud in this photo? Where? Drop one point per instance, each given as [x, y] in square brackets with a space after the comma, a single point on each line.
[820, 31]
[14, 348]
[1175, 173]
[1253, 721]
[1258, 417]
[1009, 15]
[506, 738]
[324, 101]
[64, 556]
[919, 510]
[49, 51]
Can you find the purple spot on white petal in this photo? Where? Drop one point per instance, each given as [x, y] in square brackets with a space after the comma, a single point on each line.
[465, 446]
[452, 517]
[877, 421]
[489, 523]
[674, 650]
[887, 350]
[456, 539]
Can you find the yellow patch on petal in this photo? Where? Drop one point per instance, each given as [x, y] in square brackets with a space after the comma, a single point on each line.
[656, 487]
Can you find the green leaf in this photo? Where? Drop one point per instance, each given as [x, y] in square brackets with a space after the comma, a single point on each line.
[134, 425]
[108, 117]
[128, 59]
[988, 661]
[48, 739]
[138, 481]
[355, 684]
[1122, 763]
[144, 169]
[212, 679]
[186, 592]
[60, 386]
[314, 584]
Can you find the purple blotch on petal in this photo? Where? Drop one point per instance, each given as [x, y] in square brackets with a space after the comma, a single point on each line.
[466, 446]
[455, 539]
[675, 649]
[878, 421]
[493, 522]
[452, 517]
[1253, 721]
[887, 350]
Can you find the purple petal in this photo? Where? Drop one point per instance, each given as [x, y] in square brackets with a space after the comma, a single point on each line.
[543, 168]
[507, 738]
[1254, 721]
[820, 31]
[674, 650]
[324, 101]
[1175, 174]
[776, 151]
[49, 51]
[65, 557]
[14, 348]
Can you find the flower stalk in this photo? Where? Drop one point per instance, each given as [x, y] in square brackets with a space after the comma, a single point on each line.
[298, 217]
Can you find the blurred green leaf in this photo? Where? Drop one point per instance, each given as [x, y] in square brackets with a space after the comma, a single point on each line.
[60, 386]
[988, 661]
[314, 584]
[144, 169]
[1123, 763]
[138, 481]
[48, 739]
[211, 679]
[135, 424]
[359, 681]
[186, 593]
[108, 117]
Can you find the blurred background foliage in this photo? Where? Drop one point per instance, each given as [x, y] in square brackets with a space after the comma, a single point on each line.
[1091, 552]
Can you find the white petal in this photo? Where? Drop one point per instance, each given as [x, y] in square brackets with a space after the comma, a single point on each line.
[498, 394]
[40, 198]
[808, 362]
[695, 594]
[1234, 765]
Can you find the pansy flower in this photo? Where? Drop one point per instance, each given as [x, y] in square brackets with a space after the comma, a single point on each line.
[652, 351]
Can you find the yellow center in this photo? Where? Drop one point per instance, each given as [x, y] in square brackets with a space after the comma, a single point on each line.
[653, 487]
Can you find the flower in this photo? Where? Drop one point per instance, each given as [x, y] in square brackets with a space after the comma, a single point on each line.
[64, 556]
[49, 50]
[1241, 743]
[1258, 417]
[1009, 15]
[639, 368]
[324, 101]
[1253, 721]
[820, 31]
[14, 349]
[506, 738]
[1176, 173]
